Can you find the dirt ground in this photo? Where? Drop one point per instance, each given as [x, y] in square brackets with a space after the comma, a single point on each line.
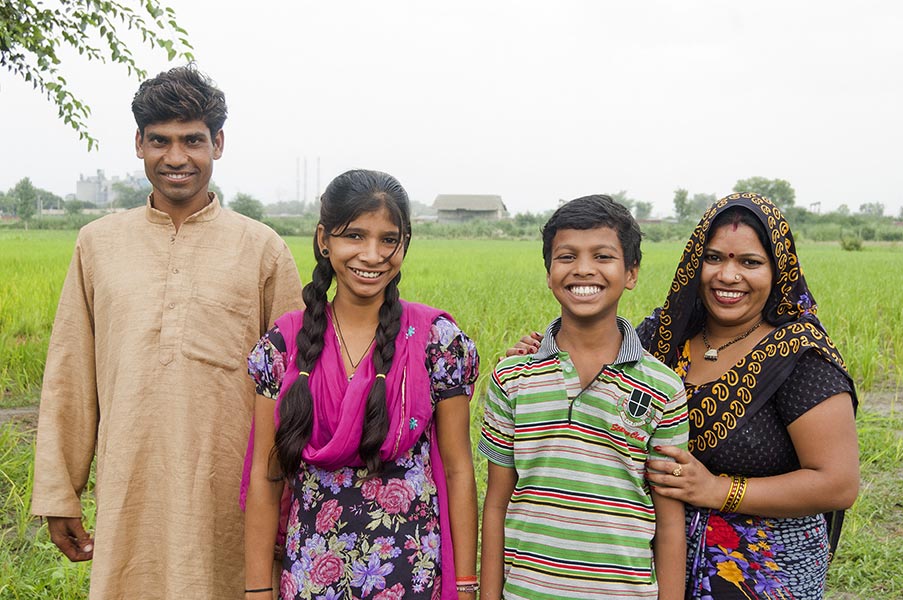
[26, 416]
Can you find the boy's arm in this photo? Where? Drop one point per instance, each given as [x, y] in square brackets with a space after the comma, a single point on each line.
[499, 488]
[669, 547]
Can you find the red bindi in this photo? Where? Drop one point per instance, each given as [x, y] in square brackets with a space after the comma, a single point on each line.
[730, 255]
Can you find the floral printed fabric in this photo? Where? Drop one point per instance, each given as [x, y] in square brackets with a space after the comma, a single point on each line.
[353, 537]
[734, 556]
[350, 536]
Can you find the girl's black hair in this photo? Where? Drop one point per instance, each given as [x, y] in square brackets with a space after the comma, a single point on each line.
[347, 197]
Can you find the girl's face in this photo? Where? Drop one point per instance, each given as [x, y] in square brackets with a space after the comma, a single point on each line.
[736, 276]
[366, 255]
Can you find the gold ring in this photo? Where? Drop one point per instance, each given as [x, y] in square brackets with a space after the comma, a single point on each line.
[677, 470]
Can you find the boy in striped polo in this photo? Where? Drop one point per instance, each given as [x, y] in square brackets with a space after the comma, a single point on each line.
[567, 432]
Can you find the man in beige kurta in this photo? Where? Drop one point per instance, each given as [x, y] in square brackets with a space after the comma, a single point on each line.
[146, 370]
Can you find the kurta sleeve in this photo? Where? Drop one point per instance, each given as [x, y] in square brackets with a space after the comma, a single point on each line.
[67, 422]
[281, 289]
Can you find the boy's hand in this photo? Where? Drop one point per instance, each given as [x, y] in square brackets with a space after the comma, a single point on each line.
[529, 344]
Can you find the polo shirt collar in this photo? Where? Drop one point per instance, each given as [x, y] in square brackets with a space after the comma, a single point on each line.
[631, 349]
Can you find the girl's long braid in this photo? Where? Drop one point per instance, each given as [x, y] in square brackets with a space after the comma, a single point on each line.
[296, 412]
[376, 415]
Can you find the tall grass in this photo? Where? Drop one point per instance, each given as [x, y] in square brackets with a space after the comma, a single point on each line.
[32, 268]
[31, 568]
[496, 291]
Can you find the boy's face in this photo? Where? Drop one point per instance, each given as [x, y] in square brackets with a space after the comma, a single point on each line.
[178, 160]
[587, 274]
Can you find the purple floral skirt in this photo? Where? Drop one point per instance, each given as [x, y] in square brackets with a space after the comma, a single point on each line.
[353, 537]
[735, 556]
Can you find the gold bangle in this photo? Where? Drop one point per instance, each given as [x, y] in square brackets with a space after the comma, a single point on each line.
[740, 494]
[735, 495]
[730, 495]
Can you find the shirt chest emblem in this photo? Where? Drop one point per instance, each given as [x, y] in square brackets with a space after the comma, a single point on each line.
[636, 409]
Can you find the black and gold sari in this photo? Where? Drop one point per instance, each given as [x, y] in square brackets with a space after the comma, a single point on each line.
[738, 422]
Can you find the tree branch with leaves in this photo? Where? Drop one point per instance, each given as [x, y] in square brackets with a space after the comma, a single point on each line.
[34, 33]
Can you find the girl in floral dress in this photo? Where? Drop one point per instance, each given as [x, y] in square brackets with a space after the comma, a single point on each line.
[370, 424]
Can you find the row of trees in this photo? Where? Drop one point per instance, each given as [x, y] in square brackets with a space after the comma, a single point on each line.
[25, 200]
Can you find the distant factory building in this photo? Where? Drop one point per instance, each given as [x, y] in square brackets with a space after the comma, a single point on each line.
[454, 208]
[99, 190]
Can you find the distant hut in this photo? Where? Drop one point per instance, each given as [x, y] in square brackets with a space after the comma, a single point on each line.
[455, 208]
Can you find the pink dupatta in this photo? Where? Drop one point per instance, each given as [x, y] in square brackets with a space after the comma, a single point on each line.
[339, 410]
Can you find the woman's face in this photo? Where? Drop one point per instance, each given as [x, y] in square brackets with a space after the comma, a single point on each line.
[736, 276]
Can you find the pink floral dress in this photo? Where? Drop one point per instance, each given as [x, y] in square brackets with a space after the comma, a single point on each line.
[354, 537]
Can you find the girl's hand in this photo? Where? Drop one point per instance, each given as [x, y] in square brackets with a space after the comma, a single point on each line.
[686, 479]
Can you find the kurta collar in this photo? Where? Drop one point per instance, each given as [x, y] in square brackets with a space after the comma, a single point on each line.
[631, 349]
[208, 213]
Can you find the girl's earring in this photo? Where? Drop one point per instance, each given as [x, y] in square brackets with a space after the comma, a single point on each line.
[325, 252]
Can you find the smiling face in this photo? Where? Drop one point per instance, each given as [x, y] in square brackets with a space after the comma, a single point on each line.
[365, 255]
[587, 274]
[178, 160]
[736, 277]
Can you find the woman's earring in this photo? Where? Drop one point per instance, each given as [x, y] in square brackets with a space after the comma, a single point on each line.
[324, 252]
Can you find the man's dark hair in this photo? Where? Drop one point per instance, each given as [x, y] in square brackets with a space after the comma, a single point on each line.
[180, 94]
[590, 212]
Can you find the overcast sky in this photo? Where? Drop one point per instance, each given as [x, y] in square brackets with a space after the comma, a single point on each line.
[532, 100]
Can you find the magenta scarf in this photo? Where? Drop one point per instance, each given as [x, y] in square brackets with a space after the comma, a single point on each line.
[339, 408]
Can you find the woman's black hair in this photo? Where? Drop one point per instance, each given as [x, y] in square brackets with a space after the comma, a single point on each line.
[347, 197]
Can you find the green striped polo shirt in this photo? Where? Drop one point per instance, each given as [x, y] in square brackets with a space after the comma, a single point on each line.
[580, 521]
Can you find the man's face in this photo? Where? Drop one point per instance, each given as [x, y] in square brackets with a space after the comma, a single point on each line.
[178, 160]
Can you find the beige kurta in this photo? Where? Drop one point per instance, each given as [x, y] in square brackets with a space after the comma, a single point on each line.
[147, 361]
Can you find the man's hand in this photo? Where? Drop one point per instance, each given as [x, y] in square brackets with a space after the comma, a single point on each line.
[70, 537]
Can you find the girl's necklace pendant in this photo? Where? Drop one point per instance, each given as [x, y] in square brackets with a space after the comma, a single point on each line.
[711, 354]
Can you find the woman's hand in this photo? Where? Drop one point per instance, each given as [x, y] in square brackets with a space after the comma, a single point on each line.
[529, 344]
[686, 479]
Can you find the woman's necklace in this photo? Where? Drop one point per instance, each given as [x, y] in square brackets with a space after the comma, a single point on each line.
[712, 353]
[344, 346]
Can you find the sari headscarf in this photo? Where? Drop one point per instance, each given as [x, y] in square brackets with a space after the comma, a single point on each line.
[731, 401]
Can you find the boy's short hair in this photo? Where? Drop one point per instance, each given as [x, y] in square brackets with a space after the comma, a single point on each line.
[590, 212]
[180, 94]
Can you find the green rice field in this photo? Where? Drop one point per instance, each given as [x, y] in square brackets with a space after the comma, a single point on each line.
[496, 291]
